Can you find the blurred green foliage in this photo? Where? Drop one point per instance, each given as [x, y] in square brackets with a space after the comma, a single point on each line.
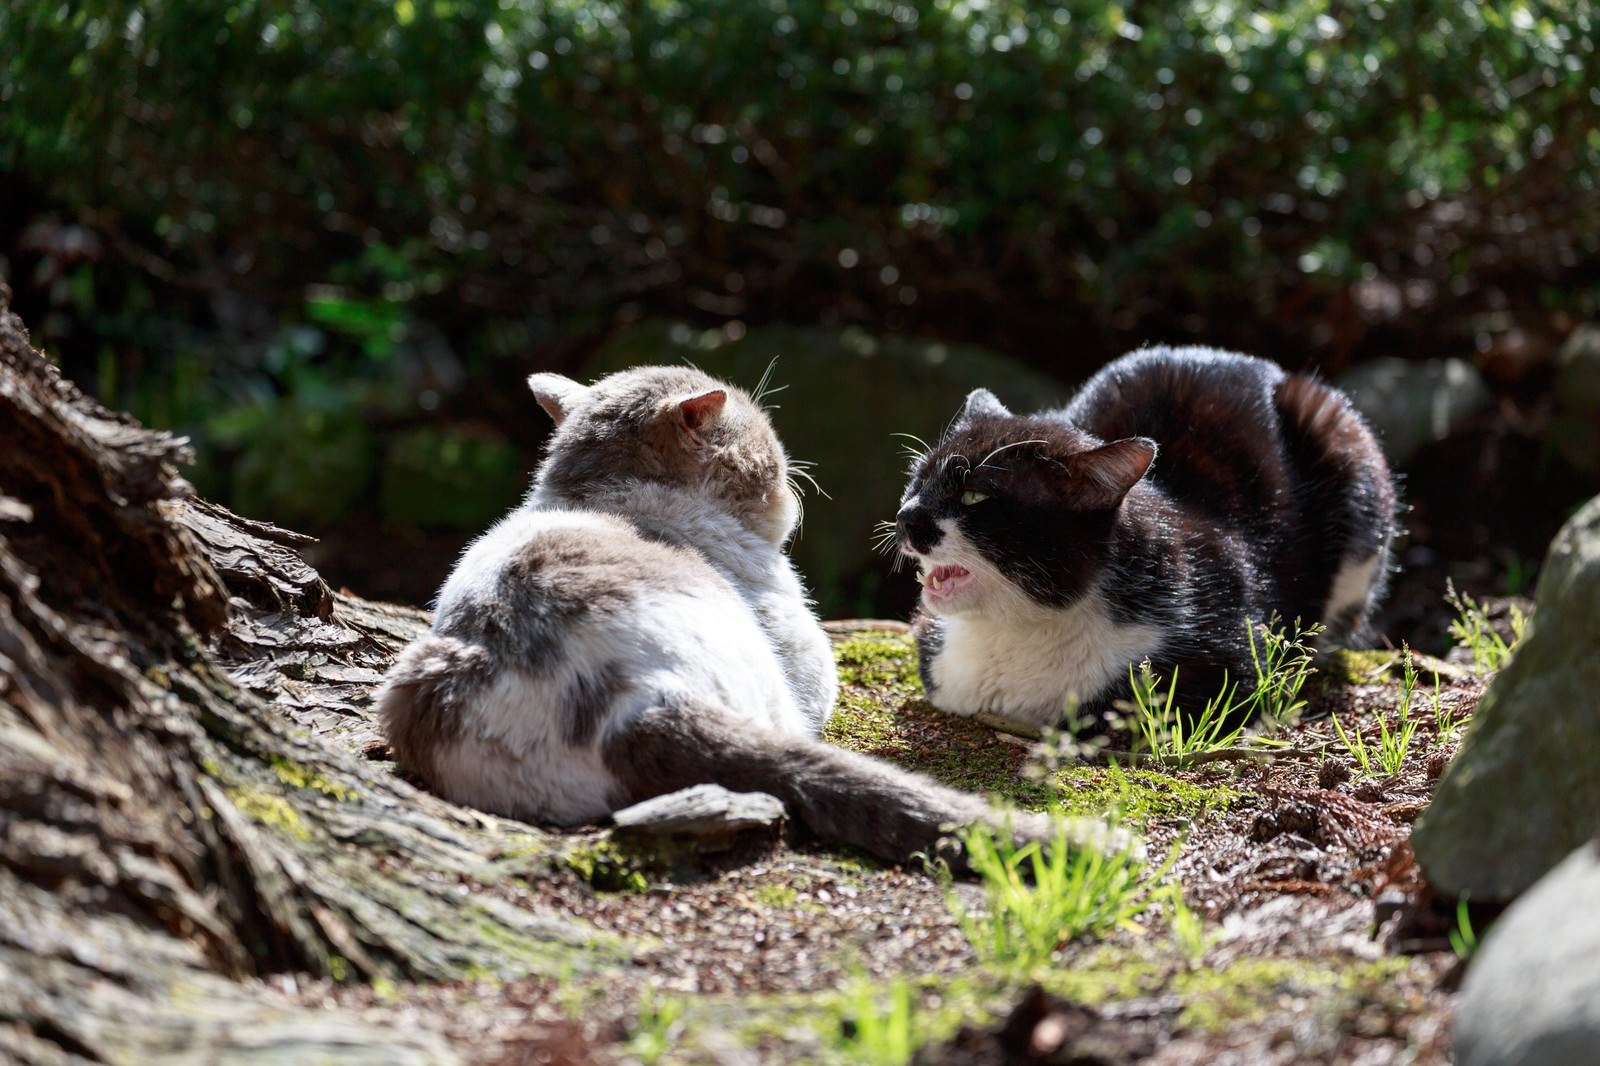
[400, 195]
[529, 153]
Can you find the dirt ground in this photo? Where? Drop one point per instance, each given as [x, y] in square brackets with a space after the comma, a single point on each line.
[1316, 945]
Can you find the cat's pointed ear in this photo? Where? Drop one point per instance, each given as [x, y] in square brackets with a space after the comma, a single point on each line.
[1108, 472]
[981, 403]
[698, 413]
[556, 394]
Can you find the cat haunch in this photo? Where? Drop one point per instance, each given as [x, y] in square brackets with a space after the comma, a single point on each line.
[1182, 492]
[635, 628]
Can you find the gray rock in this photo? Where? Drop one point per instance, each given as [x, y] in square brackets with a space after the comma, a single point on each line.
[845, 396]
[1410, 403]
[1574, 432]
[1532, 995]
[1524, 791]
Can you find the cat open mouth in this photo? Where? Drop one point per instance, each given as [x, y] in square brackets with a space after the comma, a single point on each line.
[944, 583]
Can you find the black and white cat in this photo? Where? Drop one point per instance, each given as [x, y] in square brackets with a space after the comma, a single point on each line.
[1180, 493]
[635, 628]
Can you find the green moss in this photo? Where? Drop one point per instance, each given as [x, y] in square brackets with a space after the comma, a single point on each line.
[879, 659]
[939, 1006]
[298, 775]
[822, 1026]
[1349, 666]
[607, 868]
[881, 712]
[514, 855]
[781, 896]
[1377, 666]
[1250, 989]
[1136, 795]
[1105, 974]
[269, 810]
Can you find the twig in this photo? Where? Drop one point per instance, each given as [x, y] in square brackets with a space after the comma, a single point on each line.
[1201, 758]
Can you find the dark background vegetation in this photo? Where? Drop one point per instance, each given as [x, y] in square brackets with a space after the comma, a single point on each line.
[328, 240]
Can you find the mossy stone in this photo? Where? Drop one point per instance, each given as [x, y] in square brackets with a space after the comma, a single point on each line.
[305, 468]
[1523, 792]
[449, 479]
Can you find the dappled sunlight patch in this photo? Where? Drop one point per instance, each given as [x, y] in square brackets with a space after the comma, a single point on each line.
[1216, 1000]
[1137, 795]
[881, 712]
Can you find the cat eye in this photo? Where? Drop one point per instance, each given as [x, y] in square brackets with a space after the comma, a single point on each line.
[970, 497]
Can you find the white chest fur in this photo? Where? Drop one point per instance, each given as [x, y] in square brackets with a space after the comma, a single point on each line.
[1028, 665]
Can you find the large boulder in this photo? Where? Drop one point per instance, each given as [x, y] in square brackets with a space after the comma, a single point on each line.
[1532, 996]
[1410, 403]
[845, 395]
[1524, 791]
[1575, 427]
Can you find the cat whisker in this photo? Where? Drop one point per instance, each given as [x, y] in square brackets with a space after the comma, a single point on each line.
[765, 388]
[965, 464]
[801, 469]
[760, 391]
[799, 508]
[1004, 447]
[921, 444]
[886, 541]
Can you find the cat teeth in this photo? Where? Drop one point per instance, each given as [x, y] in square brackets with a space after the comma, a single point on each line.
[936, 579]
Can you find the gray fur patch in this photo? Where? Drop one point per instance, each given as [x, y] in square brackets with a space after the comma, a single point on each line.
[628, 428]
[588, 703]
[424, 699]
[561, 579]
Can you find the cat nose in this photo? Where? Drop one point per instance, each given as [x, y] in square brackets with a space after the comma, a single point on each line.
[918, 531]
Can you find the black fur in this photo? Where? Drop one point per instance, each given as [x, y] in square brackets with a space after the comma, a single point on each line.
[1260, 486]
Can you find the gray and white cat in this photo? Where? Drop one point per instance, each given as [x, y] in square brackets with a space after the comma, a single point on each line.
[1181, 493]
[635, 627]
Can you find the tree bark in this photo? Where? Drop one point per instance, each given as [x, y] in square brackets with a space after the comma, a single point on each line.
[186, 792]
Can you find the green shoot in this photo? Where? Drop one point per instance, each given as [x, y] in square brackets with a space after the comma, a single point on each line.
[658, 1028]
[1282, 665]
[1162, 730]
[1188, 928]
[1388, 754]
[1472, 628]
[1445, 722]
[870, 1031]
[1035, 900]
[1356, 745]
[1463, 939]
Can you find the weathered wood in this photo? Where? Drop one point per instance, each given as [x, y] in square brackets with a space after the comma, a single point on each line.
[185, 795]
[700, 812]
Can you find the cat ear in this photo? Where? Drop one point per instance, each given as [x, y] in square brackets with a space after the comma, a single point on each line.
[556, 394]
[1108, 472]
[981, 403]
[698, 413]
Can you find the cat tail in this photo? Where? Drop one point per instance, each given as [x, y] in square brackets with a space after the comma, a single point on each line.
[838, 795]
[425, 696]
